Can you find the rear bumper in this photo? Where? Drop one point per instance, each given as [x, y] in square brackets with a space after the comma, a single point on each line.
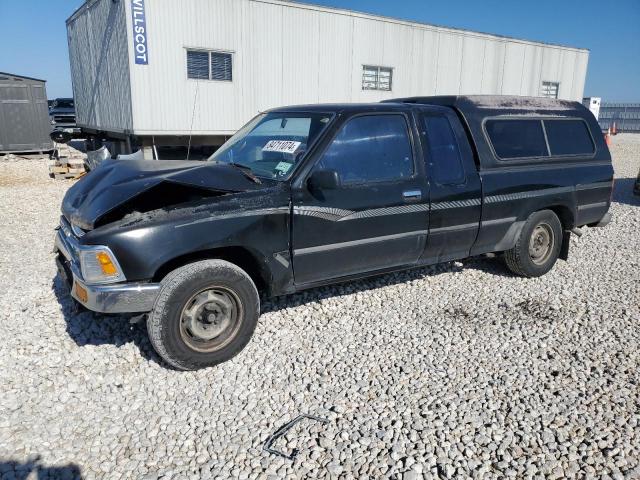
[128, 297]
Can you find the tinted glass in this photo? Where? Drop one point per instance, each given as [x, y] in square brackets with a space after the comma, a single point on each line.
[63, 103]
[198, 65]
[568, 137]
[445, 164]
[517, 138]
[221, 66]
[371, 148]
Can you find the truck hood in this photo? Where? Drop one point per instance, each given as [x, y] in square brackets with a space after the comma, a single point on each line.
[121, 187]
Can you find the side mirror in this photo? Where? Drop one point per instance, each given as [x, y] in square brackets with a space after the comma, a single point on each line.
[324, 180]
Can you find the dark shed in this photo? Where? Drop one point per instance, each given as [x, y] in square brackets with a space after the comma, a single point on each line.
[24, 116]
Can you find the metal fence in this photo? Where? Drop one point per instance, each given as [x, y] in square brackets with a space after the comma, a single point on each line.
[626, 116]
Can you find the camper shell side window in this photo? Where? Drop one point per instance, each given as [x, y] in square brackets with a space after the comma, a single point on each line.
[513, 139]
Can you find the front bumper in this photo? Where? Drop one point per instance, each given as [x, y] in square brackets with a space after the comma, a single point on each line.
[127, 297]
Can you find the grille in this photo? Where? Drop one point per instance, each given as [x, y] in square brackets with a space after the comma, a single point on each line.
[64, 118]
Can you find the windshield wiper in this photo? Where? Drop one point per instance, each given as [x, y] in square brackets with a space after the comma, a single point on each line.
[247, 172]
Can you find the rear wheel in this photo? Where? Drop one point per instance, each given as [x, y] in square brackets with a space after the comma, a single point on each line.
[538, 246]
[205, 314]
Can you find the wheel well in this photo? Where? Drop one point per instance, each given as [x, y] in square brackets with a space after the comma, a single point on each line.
[565, 215]
[239, 256]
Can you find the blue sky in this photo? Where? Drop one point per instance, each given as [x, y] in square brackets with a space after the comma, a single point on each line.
[33, 33]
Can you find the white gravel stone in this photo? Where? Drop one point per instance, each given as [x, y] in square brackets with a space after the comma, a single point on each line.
[458, 370]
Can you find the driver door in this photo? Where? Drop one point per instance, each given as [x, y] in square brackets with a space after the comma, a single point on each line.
[376, 217]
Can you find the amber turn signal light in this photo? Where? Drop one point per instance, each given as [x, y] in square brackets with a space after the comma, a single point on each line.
[107, 266]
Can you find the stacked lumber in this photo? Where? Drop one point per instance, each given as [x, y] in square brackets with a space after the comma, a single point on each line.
[66, 162]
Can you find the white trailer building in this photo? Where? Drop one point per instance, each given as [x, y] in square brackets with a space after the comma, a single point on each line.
[164, 70]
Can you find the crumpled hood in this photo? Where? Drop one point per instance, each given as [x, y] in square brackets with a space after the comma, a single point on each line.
[118, 182]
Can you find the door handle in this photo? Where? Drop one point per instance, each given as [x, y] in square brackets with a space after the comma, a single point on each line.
[412, 195]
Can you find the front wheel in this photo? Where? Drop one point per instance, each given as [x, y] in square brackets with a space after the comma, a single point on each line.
[205, 314]
[538, 246]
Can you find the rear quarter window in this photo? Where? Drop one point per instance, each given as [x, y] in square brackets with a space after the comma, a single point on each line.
[444, 163]
[569, 137]
[513, 139]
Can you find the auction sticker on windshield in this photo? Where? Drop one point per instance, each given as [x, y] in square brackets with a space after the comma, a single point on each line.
[283, 168]
[282, 146]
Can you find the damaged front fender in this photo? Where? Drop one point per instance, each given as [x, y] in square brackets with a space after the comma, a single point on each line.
[118, 188]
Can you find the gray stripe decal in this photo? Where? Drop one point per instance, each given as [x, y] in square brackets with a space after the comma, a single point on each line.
[238, 214]
[592, 205]
[592, 186]
[456, 204]
[355, 243]
[499, 221]
[383, 212]
[547, 191]
[454, 228]
[340, 215]
[530, 194]
[325, 213]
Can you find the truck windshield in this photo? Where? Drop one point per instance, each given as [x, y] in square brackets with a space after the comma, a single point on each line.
[272, 143]
[63, 103]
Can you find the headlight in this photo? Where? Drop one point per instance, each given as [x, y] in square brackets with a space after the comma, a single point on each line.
[99, 265]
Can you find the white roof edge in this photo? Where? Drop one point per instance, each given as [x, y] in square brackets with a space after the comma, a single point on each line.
[410, 23]
[370, 16]
[78, 11]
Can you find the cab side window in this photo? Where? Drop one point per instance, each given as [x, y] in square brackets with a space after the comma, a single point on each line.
[370, 148]
[444, 162]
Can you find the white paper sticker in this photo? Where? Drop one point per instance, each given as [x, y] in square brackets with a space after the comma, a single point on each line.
[281, 146]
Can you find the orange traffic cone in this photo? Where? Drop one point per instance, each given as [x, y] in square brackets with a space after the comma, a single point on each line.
[607, 138]
[613, 129]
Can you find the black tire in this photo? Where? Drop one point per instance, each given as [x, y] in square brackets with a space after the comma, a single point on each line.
[521, 260]
[170, 332]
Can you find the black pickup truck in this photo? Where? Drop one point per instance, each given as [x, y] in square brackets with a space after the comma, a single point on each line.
[313, 195]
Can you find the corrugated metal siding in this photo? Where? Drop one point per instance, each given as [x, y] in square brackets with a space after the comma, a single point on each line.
[287, 53]
[98, 52]
[493, 68]
[24, 116]
[473, 50]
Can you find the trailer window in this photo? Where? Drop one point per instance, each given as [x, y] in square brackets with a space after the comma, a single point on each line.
[221, 66]
[513, 139]
[377, 78]
[209, 65]
[569, 137]
[550, 89]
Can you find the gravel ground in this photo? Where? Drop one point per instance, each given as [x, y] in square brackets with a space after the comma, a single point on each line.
[454, 371]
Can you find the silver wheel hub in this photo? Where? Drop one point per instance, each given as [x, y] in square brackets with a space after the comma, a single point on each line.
[209, 314]
[541, 243]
